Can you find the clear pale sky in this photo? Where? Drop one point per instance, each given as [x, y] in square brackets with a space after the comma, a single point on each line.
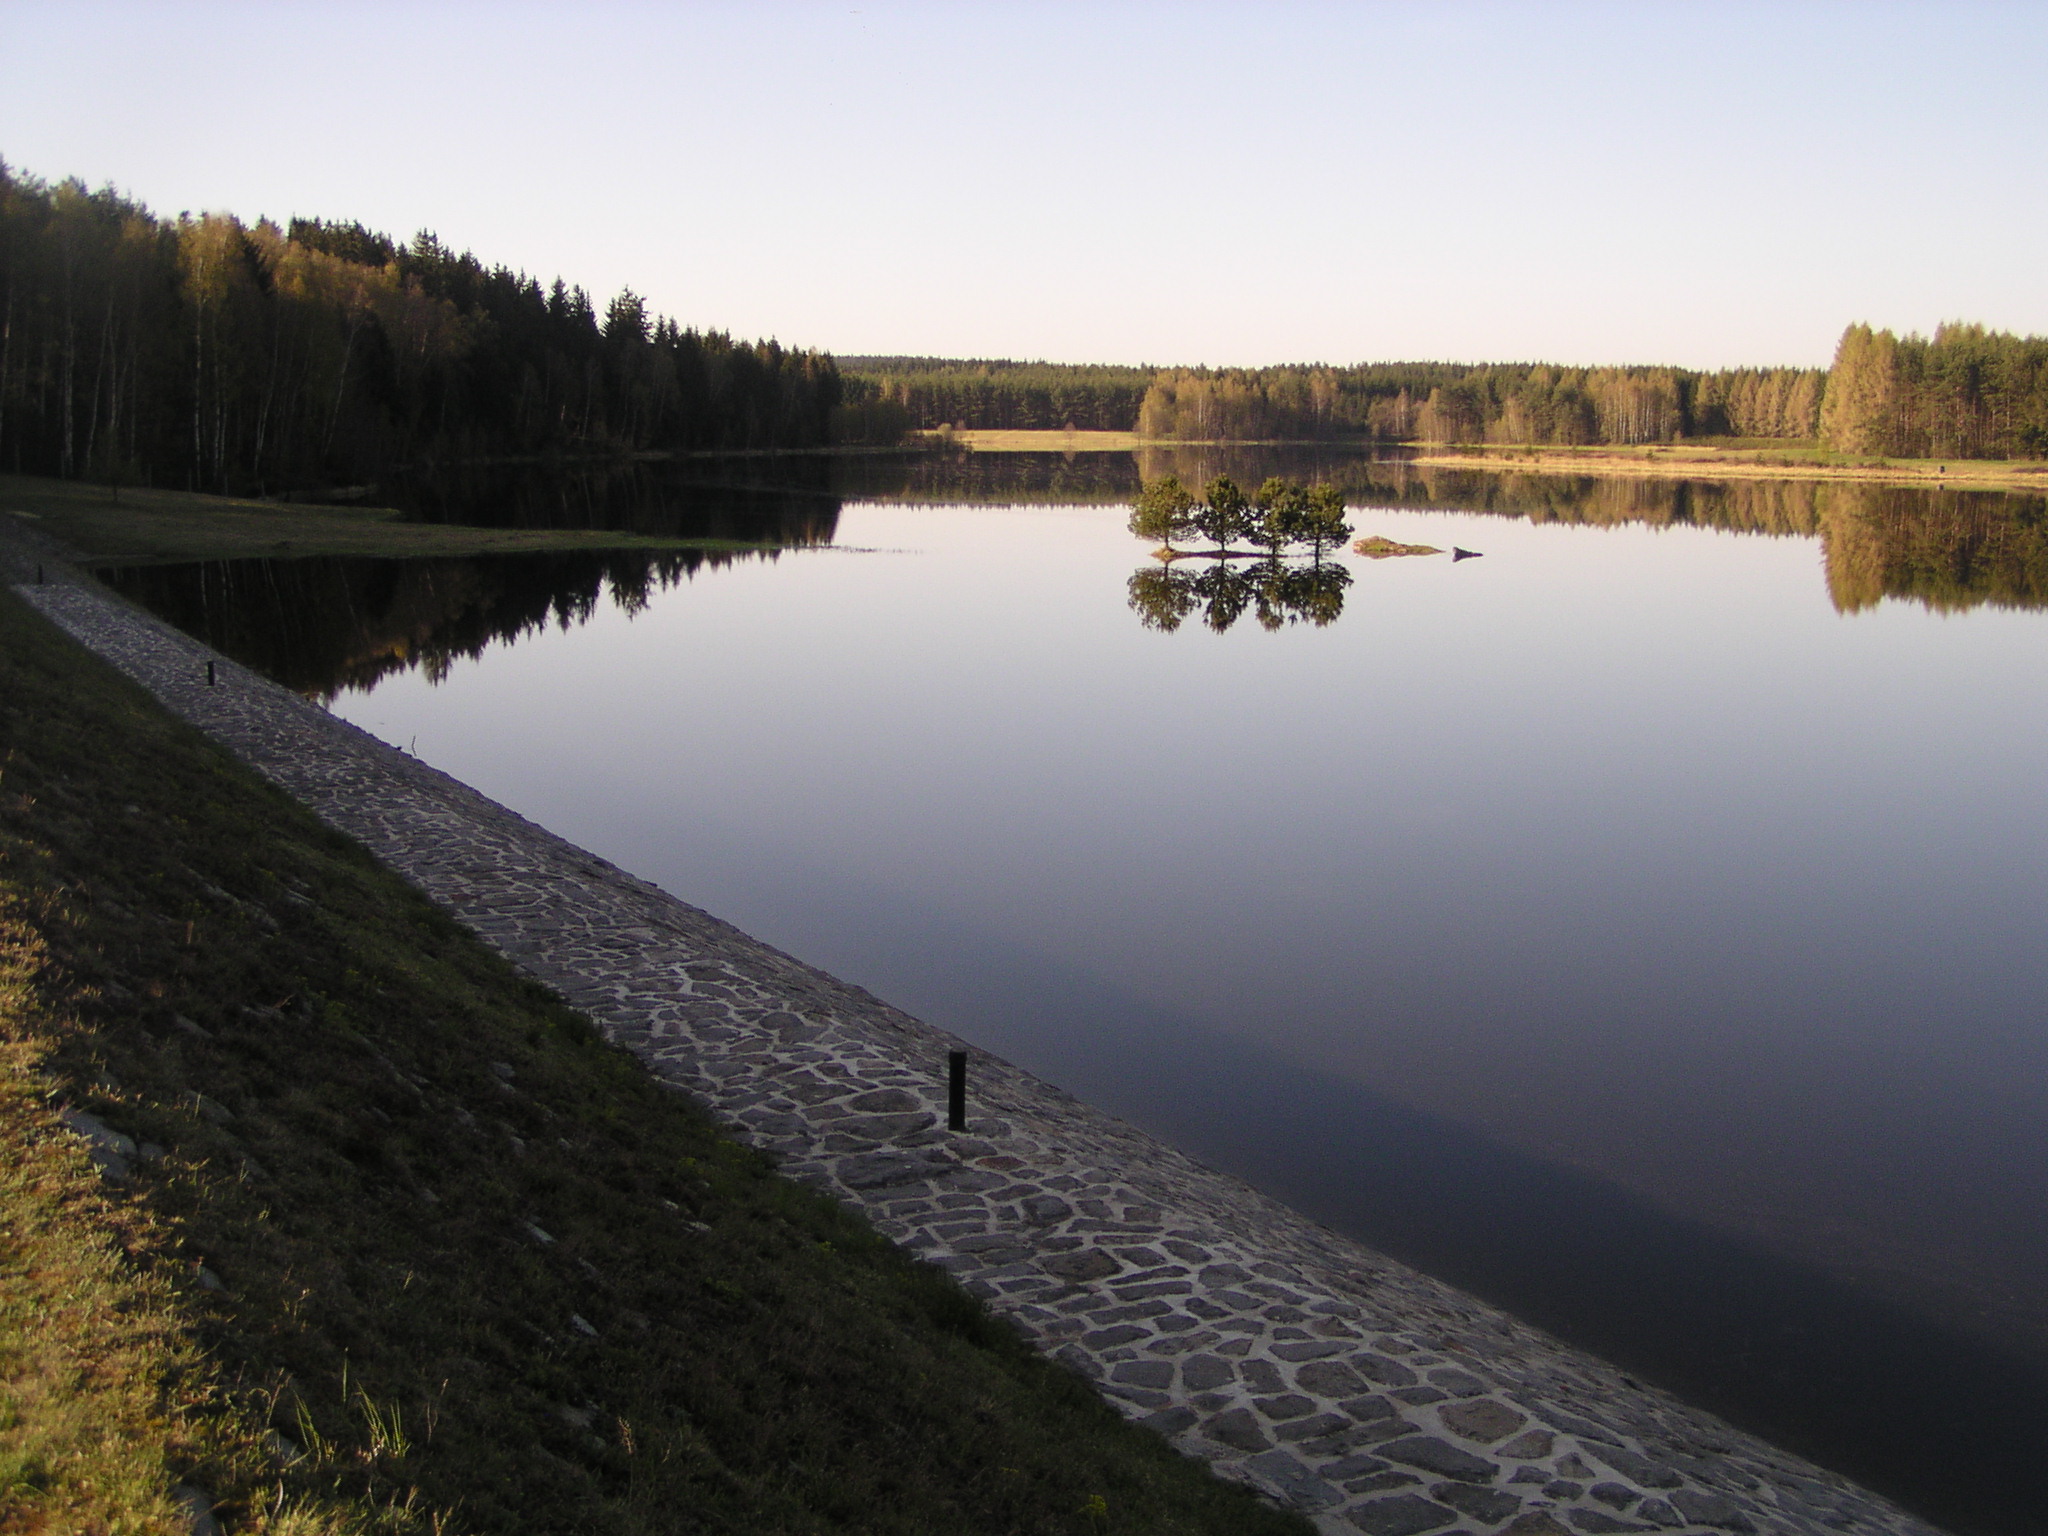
[1703, 184]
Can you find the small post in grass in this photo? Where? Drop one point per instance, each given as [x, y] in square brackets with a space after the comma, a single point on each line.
[956, 1090]
[39, 574]
[209, 674]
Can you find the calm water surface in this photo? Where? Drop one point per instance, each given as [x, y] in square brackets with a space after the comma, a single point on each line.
[1622, 923]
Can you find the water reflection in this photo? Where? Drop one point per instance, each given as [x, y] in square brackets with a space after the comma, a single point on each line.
[789, 499]
[1947, 550]
[1275, 592]
[326, 624]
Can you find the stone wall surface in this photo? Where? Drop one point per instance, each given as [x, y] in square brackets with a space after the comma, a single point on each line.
[1370, 1397]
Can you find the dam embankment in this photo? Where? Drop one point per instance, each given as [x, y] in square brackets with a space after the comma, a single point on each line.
[1365, 1394]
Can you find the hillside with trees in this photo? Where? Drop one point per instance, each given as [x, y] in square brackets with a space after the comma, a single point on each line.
[205, 353]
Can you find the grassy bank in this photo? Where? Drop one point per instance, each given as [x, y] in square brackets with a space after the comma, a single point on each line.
[142, 527]
[1743, 461]
[1707, 460]
[396, 1243]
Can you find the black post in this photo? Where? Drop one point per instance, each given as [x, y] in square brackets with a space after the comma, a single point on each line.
[956, 1090]
[39, 575]
[209, 674]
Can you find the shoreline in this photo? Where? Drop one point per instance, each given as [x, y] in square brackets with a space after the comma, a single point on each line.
[1344, 1385]
[1675, 461]
[145, 526]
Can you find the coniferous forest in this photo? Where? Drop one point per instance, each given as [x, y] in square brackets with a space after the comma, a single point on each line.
[205, 353]
[930, 392]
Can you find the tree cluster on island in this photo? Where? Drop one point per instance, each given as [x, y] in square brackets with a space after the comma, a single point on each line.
[1279, 518]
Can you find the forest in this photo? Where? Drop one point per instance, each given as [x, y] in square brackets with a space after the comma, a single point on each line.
[1483, 403]
[930, 392]
[205, 353]
[1963, 393]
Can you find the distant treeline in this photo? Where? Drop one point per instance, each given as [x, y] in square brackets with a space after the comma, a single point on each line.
[1486, 403]
[1965, 393]
[930, 392]
[206, 353]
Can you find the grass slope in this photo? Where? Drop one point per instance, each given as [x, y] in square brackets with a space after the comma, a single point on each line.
[404, 1245]
[144, 527]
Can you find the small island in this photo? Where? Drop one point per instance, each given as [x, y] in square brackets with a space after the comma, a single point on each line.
[1379, 547]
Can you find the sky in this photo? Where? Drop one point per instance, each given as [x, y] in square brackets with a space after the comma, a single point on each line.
[1702, 184]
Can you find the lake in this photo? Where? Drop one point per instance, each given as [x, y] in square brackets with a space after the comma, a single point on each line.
[1640, 923]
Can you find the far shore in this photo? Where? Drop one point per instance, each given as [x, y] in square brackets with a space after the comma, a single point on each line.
[1679, 460]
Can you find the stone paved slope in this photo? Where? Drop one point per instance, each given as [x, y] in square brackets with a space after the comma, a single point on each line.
[1367, 1395]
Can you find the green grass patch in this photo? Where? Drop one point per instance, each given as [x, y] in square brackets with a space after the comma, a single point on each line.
[405, 1245]
[140, 526]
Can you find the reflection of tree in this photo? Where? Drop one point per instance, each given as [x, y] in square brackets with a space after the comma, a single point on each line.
[1947, 550]
[1275, 592]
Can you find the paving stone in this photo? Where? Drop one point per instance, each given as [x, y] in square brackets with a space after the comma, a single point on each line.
[1156, 1374]
[1044, 1201]
[1263, 1376]
[1637, 1469]
[1289, 1405]
[1710, 1509]
[1317, 1427]
[1485, 1421]
[1088, 1264]
[1238, 1428]
[1293, 1483]
[1388, 1373]
[1489, 1506]
[1531, 1446]
[1439, 1456]
[1329, 1378]
[1599, 1523]
[1405, 1514]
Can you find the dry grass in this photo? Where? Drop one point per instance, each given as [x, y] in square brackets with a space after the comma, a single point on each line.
[991, 441]
[108, 1409]
[1740, 461]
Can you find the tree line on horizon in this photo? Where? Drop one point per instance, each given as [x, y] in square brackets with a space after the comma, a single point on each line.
[928, 393]
[211, 354]
[1965, 392]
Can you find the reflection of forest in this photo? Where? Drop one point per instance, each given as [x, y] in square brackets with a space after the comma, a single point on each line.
[323, 625]
[995, 479]
[784, 500]
[1275, 592]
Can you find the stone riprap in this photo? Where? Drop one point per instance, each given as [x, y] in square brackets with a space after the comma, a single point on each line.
[1343, 1384]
